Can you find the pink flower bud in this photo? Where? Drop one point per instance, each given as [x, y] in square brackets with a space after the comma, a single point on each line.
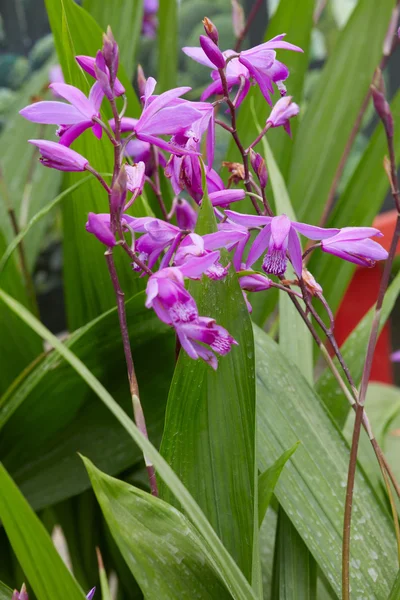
[22, 595]
[212, 52]
[99, 225]
[141, 81]
[211, 30]
[258, 164]
[111, 54]
[380, 103]
[186, 216]
[57, 156]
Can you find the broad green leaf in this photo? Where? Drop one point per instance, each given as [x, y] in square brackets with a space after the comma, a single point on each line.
[353, 351]
[5, 592]
[155, 541]
[86, 280]
[395, 593]
[25, 184]
[52, 400]
[18, 345]
[47, 574]
[297, 24]
[311, 489]
[357, 206]
[209, 433]
[125, 19]
[222, 560]
[167, 36]
[295, 571]
[267, 549]
[335, 103]
[268, 480]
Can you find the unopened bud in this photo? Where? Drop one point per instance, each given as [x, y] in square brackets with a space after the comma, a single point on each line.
[22, 595]
[211, 30]
[186, 216]
[118, 192]
[237, 18]
[102, 75]
[111, 54]
[258, 164]
[141, 81]
[380, 103]
[212, 52]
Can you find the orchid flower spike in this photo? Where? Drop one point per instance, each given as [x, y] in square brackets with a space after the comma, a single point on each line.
[279, 236]
[73, 118]
[354, 244]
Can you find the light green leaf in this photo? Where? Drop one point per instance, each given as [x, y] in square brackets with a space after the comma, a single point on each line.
[295, 573]
[395, 593]
[223, 562]
[53, 400]
[311, 489]
[353, 351]
[209, 434]
[125, 19]
[268, 480]
[47, 574]
[335, 103]
[5, 592]
[167, 36]
[156, 541]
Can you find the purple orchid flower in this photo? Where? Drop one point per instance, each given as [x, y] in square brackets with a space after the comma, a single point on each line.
[279, 235]
[173, 304]
[194, 246]
[257, 64]
[353, 244]
[22, 595]
[226, 197]
[283, 110]
[162, 115]
[184, 172]
[149, 23]
[57, 156]
[90, 594]
[100, 227]
[73, 118]
[186, 216]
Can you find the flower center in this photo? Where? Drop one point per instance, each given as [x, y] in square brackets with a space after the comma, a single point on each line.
[275, 261]
[221, 344]
[182, 312]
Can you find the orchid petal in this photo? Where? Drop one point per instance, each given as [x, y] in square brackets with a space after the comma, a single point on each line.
[248, 220]
[74, 95]
[313, 232]
[259, 246]
[198, 55]
[50, 112]
[295, 254]
[73, 132]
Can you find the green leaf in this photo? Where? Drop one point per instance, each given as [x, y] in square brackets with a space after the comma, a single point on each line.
[47, 574]
[223, 562]
[357, 206]
[353, 351]
[5, 592]
[155, 541]
[311, 489]
[335, 103]
[268, 480]
[295, 575]
[395, 593]
[52, 400]
[167, 36]
[125, 19]
[85, 271]
[209, 428]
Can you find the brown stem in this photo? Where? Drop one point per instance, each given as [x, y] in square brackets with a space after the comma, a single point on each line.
[133, 384]
[247, 26]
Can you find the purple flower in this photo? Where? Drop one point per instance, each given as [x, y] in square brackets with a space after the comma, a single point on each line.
[283, 110]
[226, 197]
[57, 156]
[211, 30]
[279, 235]
[135, 174]
[395, 356]
[185, 171]
[141, 152]
[254, 283]
[257, 64]
[173, 304]
[149, 23]
[192, 250]
[91, 593]
[99, 225]
[258, 164]
[212, 52]
[353, 244]
[186, 216]
[88, 64]
[73, 118]
[22, 595]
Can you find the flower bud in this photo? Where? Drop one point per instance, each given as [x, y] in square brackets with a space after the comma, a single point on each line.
[102, 75]
[111, 54]
[283, 110]
[186, 216]
[211, 30]
[258, 164]
[22, 595]
[141, 81]
[57, 156]
[380, 103]
[99, 225]
[118, 192]
[212, 52]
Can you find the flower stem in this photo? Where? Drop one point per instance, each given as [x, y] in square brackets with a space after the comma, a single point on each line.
[133, 384]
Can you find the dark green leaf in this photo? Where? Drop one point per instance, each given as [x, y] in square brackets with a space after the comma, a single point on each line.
[335, 103]
[156, 541]
[223, 562]
[209, 427]
[53, 401]
[353, 351]
[311, 489]
[268, 480]
[167, 36]
[125, 19]
[33, 546]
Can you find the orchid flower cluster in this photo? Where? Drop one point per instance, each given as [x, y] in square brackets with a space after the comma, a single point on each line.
[170, 133]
